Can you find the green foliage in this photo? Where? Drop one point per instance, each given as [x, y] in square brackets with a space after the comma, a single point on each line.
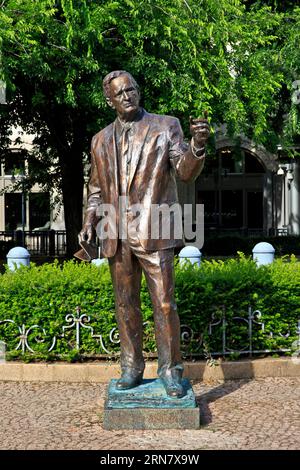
[186, 56]
[233, 286]
[44, 295]
[234, 58]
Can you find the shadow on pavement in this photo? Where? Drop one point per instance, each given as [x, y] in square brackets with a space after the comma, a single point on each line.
[233, 380]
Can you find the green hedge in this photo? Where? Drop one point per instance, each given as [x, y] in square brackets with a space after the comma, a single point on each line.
[44, 295]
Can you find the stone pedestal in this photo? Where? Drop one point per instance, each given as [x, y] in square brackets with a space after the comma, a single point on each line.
[147, 406]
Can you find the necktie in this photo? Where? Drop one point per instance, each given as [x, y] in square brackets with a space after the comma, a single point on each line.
[125, 153]
[125, 141]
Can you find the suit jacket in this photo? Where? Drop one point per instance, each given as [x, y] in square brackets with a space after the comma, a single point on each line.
[159, 154]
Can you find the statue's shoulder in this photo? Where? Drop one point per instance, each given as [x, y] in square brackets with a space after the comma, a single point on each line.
[103, 135]
[163, 119]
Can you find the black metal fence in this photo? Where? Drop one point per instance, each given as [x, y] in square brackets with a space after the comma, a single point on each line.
[247, 232]
[38, 243]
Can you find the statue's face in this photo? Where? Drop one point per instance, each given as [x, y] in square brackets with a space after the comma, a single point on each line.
[124, 97]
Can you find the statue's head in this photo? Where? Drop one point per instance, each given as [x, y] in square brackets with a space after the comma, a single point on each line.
[122, 93]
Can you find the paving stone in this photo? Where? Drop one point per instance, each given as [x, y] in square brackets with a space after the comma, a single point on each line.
[244, 414]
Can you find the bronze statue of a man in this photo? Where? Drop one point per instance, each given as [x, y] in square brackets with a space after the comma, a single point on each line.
[138, 156]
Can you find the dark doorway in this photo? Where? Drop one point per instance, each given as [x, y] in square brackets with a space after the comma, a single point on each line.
[211, 207]
[39, 204]
[255, 209]
[232, 209]
[13, 211]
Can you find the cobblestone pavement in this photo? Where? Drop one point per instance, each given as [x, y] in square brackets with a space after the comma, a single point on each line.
[253, 414]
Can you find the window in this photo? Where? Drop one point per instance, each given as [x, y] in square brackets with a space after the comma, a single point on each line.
[39, 209]
[211, 211]
[13, 211]
[231, 162]
[232, 191]
[252, 165]
[232, 209]
[14, 163]
[255, 209]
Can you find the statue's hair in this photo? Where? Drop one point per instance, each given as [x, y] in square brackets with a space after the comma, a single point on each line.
[110, 76]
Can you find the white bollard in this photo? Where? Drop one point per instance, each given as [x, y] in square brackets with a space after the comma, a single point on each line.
[16, 257]
[190, 253]
[2, 352]
[263, 253]
[99, 261]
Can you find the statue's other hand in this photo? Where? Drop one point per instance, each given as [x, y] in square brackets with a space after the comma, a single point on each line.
[86, 233]
[199, 129]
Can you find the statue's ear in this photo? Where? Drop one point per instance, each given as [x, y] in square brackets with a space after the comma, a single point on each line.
[109, 102]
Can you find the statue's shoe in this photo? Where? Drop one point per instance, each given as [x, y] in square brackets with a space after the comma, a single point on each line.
[173, 386]
[129, 380]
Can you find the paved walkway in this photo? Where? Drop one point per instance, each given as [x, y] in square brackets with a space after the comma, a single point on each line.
[254, 414]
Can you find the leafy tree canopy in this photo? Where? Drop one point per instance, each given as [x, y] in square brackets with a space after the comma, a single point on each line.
[237, 59]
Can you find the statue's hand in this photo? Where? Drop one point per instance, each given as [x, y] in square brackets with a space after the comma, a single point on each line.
[86, 233]
[199, 129]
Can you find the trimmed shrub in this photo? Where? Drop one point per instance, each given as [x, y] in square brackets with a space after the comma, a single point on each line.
[40, 297]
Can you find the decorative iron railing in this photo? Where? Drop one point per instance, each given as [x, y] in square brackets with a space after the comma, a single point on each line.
[78, 322]
[246, 232]
[38, 243]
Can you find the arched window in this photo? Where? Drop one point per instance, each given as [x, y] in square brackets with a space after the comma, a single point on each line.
[231, 189]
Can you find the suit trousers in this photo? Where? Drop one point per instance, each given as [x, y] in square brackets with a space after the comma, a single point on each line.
[126, 268]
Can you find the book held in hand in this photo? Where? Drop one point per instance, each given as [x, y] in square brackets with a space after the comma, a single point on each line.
[87, 252]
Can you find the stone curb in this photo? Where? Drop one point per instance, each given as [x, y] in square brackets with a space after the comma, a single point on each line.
[102, 372]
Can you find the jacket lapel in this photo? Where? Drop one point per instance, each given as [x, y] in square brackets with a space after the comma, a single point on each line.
[140, 134]
[111, 159]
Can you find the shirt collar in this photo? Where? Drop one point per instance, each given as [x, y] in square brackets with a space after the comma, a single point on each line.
[122, 126]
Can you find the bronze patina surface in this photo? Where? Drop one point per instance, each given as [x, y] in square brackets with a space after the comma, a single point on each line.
[138, 157]
[148, 407]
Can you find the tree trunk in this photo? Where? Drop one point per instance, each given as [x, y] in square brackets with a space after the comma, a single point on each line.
[70, 140]
[72, 190]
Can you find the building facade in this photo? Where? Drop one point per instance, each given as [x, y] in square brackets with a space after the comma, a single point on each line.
[20, 209]
[247, 190]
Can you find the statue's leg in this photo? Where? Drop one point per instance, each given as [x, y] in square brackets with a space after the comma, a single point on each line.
[126, 276]
[158, 267]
